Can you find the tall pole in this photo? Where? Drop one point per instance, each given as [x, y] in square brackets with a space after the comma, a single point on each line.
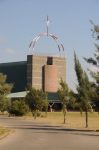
[47, 25]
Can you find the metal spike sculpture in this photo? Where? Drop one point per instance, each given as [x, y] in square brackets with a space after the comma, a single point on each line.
[55, 38]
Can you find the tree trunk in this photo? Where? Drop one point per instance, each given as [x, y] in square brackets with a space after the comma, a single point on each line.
[64, 117]
[46, 110]
[81, 112]
[86, 113]
[64, 111]
[34, 113]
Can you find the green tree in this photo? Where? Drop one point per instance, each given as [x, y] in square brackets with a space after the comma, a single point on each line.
[73, 104]
[36, 100]
[84, 89]
[5, 89]
[18, 107]
[95, 63]
[63, 94]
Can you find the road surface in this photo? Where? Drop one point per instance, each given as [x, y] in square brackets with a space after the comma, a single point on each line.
[30, 135]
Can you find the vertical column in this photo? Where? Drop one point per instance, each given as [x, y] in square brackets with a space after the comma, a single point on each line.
[50, 78]
[29, 71]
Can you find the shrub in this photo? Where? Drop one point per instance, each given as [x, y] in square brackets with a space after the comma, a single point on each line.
[18, 108]
[36, 114]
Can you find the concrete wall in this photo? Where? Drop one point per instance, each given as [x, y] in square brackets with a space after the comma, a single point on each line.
[40, 72]
[36, 74]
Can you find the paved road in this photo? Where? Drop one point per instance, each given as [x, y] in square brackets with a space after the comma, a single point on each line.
[30, 135]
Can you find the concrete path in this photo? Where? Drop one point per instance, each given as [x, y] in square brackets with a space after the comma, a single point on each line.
[30, 135]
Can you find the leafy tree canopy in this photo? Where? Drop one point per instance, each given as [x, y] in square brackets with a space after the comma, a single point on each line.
[84, 86]
[18, 108]
[5, 89]
[63, 92]
[36, 99]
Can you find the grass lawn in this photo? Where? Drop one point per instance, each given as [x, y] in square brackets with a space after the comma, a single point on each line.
[73, 119]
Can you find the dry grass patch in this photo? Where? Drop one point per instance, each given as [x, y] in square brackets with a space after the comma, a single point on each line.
[73, 120]
[4, 131]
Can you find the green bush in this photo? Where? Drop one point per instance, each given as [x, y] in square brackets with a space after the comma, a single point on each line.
[36, 114]
[18, 108]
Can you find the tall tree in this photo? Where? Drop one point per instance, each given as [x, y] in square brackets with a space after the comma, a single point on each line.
[5, 89]
[95, 63]
[84, 88]
[63, 93]
[36, 100]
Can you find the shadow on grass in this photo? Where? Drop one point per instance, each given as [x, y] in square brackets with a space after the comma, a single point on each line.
[45, 128]
[54, 129]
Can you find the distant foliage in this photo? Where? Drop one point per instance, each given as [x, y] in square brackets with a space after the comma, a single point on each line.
[5, 89]
[94, 61]
[36, 100]
[18, 108]
[84, 89]
[63, 94]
